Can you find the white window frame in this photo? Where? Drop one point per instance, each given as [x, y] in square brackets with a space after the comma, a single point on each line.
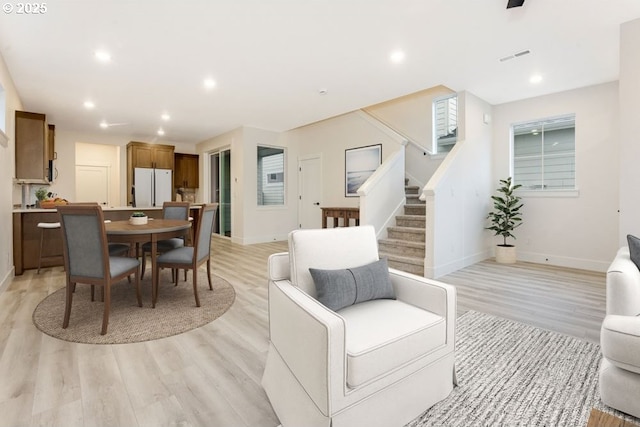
[543, 192]
[434, 137]
[284, 179]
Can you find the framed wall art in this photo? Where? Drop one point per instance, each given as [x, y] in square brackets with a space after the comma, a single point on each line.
[359, 164]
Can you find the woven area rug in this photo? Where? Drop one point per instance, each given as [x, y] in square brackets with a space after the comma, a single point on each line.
[511, 374]
[175, 311]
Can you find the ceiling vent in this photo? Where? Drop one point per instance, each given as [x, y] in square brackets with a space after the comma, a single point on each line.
[514, 3]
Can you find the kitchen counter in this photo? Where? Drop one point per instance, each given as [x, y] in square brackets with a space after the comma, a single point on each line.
[105, 209]
[26, 234]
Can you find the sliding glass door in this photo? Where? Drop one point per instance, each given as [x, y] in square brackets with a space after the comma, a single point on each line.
[221, 190]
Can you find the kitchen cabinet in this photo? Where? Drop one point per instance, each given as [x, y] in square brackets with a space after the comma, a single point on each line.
[144, 155]
[186, 173]
[34, 147]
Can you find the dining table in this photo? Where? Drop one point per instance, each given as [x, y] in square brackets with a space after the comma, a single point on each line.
[152, 231]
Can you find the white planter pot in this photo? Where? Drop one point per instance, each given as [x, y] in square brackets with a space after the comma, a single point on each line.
[506, 254]
[138, 220]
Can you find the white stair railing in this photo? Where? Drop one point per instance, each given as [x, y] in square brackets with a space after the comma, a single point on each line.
[382, 196]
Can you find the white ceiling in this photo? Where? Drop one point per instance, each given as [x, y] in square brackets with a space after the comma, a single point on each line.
[271, 57]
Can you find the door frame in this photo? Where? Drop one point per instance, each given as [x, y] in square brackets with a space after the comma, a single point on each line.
[207, 184]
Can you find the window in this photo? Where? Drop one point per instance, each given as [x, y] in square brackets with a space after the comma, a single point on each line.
[544, 154]
[270, 176]
[445, 123]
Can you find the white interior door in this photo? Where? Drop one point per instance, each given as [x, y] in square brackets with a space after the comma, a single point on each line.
[310, 184]
[92, 184]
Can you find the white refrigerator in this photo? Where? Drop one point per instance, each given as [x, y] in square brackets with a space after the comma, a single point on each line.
[151, 187]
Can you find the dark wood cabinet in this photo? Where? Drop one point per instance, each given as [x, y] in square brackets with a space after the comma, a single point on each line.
[145, 155]
[186, 173]
[32, 147]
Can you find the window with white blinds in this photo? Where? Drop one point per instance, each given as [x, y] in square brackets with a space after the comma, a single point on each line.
[445, 123]
[270, 176]
[544, 154]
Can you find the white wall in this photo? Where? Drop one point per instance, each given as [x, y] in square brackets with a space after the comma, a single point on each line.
[582, 231]
[629, 177]
[7, 172]
[268, 223]
[411, 115]
[330, 138]
[458, 194]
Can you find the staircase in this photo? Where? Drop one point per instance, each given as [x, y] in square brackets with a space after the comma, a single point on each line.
[404, 246]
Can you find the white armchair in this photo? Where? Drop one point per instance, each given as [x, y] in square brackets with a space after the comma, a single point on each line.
[376, 363]
[620, 337]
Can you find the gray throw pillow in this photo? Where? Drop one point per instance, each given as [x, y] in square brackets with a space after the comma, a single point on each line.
[337, 289]
[634, 249]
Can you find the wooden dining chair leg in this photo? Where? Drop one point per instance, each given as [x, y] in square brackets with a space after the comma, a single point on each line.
[107, 306]
[144, 264]
[209, 274]
[138, 293]
[195, 287]
[67, 307]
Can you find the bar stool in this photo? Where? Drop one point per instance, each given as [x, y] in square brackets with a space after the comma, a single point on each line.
[43, 226]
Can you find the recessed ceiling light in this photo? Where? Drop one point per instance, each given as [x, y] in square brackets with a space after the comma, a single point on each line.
[102, 55]
[536, 78]
[89, 105]
[397, 57]
[161, 132]
[104, 124]
[209, 83]
[166, 117]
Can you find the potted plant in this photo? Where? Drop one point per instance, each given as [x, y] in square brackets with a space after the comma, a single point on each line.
[505, 217]
[41, 195]
[138, 218]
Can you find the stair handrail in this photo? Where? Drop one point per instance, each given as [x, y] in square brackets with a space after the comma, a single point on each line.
[382, 196]
[395, 134]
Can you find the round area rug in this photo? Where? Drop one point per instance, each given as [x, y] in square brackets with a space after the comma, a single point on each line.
[175, 311]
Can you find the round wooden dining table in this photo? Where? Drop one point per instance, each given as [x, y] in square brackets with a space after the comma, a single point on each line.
[152, 231]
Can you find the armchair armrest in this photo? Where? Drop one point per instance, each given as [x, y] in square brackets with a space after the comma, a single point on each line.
[620, 341]
[311, 340]
[623, 285]
[429, 294]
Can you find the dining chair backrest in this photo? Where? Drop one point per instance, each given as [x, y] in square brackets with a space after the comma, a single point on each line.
[203, 233]
[84, 240]
[175, 210]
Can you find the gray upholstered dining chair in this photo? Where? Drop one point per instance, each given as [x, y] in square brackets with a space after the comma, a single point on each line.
[87, 260]
[170, 210]
[192, 257]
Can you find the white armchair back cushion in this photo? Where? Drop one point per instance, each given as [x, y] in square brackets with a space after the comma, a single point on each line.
[329, 249]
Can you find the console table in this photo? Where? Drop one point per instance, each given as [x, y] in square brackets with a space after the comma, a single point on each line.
[336, 213]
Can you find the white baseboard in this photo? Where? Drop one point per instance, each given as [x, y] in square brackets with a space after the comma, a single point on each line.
[260, 239]
[562, 261]
[455, 265]
[7, 279]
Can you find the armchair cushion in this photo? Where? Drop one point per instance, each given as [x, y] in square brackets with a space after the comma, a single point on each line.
[384, 334]
[337, 289]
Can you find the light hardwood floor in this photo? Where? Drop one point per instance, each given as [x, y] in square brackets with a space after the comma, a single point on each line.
[211, 376]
